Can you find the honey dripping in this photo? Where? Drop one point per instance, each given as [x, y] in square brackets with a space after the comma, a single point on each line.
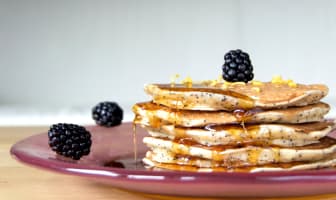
[135, 146]
[177, 110]
[244, 116]
[241, 116]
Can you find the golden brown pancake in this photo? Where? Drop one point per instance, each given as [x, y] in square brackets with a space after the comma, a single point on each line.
[201, 165]
[151, 113]
[204, 97]
[242, 156]
[284, 135]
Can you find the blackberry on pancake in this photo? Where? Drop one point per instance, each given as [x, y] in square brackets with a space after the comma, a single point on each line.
[237, 66]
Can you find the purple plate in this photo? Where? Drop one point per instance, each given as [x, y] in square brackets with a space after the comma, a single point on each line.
[112, 161]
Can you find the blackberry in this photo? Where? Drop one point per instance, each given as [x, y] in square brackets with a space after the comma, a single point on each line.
[237, 67]
[69, 140]
[107, 114]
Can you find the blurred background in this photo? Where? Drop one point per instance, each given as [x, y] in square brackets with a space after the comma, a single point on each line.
[60, 58]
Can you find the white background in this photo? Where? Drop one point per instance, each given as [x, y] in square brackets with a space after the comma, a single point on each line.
[59, 58]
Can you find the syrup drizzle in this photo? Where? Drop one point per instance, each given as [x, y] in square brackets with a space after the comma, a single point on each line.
[135, 146]
[243, 116]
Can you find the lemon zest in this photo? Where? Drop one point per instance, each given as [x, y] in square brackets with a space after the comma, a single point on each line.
[256, 83]
[277, 79]
[187, 82]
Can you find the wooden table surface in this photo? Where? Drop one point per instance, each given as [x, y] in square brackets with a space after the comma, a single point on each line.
[18, 181]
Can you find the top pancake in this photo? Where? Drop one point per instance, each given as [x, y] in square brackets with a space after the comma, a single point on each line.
[266, 95]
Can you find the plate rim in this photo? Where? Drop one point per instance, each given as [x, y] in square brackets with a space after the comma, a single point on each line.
[60, 166]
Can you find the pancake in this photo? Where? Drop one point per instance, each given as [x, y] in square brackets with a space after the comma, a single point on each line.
[266, 95]
[246, 155]
[222, 126]
[201, 165]
[150, 112]
[284, 135]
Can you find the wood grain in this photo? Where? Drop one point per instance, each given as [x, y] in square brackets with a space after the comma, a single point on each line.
[18, 181]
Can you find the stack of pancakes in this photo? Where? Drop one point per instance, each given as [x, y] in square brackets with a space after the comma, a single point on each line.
[221, 126]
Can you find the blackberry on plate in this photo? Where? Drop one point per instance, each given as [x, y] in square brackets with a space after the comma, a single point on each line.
[107, 114]
[237, 67]
[69, 140]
